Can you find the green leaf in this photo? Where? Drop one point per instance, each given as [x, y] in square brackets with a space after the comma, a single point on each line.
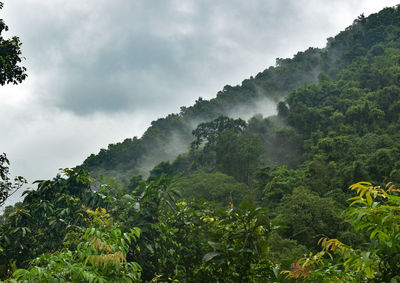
[373, 234]
[209, 256]
[150, 248]
[213, 245]
[136, 232]
[19, 273]
[369, 198]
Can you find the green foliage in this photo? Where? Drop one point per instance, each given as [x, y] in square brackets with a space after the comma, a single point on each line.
[283, 110]
[237, 155]
[163, 167]
[240, 250]
[100, 256]
[280, 143]
[208, 132]
[338, 121]
[307, 217]
[7, 187]
[164, 140]
[227, 148]
[376, 211]
[285, 251]
[180, 241]
[321, 175]
[176, 236]
[40, 223]
[330, 98]
[213, 187]
[10, 57]
[274, 183]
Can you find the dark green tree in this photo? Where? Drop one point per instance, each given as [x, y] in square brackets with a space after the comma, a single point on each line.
[215, 187]
[237, 155]
[308, 217]
[209, 131]
[283, 110]
[10, 57]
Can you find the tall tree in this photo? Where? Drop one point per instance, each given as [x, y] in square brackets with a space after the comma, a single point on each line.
[209, 131]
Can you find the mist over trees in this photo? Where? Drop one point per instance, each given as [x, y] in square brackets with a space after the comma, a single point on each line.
[310, 194]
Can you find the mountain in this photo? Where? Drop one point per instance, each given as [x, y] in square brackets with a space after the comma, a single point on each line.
[167, 137]
[337, 123]
[216, 198]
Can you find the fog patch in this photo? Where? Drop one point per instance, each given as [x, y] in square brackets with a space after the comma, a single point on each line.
[177, 143]
[264, 106]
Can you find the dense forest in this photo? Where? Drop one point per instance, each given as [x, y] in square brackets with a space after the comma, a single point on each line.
[207, 195]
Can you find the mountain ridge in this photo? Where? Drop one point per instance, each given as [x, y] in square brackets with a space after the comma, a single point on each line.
[140, 155]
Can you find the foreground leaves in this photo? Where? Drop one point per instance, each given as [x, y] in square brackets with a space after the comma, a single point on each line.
[99, 256]
[374, 211]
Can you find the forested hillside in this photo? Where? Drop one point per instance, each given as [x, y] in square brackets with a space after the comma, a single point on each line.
[167, 137]
[206, 196]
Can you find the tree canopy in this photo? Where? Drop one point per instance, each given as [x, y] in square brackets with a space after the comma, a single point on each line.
[203, 197]
[10, 57]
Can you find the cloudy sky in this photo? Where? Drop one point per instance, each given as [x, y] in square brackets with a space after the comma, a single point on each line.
[101, 70]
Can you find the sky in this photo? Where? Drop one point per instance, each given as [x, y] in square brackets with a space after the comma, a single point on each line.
[100, 71]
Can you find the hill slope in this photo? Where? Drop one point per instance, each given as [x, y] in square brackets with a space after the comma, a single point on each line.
[337, 123]
[169, 136]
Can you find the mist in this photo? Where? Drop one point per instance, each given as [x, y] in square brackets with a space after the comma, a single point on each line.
[100, 72]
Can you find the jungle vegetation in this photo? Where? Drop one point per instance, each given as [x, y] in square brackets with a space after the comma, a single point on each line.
[310, 194]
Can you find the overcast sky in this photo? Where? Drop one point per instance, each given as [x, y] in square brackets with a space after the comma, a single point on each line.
[101, 70]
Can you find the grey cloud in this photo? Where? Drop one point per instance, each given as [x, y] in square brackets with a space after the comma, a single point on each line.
[108, 56]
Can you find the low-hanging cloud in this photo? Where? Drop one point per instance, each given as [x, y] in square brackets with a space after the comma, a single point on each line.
[100, 71]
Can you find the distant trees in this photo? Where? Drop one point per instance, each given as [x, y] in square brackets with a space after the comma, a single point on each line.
[273, 183]
[209, 131]
[217, 188]
[226, 148]
[308, 216]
